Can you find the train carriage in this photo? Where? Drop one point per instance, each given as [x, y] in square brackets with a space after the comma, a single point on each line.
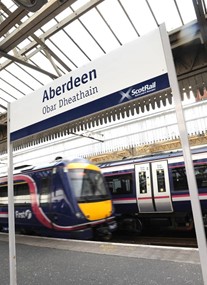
[66, 199]
[153, 190]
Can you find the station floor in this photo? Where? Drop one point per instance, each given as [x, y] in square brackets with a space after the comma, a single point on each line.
[48, 261]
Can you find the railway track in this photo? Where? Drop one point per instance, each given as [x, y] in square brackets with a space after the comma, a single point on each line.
[160, 239]
[179, 240]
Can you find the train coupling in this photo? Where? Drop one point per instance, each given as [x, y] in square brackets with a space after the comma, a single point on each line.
[112, 226]
[104, 232]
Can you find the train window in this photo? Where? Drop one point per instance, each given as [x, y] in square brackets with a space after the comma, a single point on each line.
[201, 175]
[21, 194]
[179, 179]
[3, 191]
[161, 180]
[3, 195]
[77, 181]
[88, 185]
[120, 184]
[45, 190]
[142, 182]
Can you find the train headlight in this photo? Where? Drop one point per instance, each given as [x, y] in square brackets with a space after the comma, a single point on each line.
[79, 215]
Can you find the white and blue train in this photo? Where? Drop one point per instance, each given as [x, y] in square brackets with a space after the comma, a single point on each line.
[153, 190]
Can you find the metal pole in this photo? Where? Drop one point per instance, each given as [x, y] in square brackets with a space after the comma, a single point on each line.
[193, 189]
[12, 247]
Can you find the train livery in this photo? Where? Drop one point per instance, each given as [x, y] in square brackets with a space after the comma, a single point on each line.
[153, 190]
[66, 199]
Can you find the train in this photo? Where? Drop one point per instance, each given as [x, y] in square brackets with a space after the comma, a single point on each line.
[151, 192]
[63, 199]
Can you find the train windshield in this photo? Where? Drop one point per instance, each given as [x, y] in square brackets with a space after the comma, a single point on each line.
[88, 185]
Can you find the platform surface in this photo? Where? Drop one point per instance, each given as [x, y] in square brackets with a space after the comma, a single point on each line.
[48, 261]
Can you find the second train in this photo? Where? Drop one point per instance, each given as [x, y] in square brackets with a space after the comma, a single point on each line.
[152, 191]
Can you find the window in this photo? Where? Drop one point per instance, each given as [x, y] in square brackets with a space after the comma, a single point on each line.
[45, 190]
[21, 194]
[161, 180]
[142, 182]
[201, 175]
[180, 178]
[3, 195]
[88, 185]
[120, 184]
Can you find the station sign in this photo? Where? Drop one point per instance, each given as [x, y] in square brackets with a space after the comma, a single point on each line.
[134, 70]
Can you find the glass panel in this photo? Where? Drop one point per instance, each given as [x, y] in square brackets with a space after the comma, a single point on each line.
[142, 182]
[179, 179]
[140, 15]
[161, 180]
[166, 12]
[88, 185]
[21, 194]
[79, 3]
[3, 191]
[201, 176]
[65, 13]
[7, 85]
[69, 48]
[17, 80]
[24, 43]
[45, 190]
[187, 10]
[60, 53]
[111, 11]
[3, 195]
[49, 24]
[98, 28]
[120, 184]
[39, 77]
[84, 40]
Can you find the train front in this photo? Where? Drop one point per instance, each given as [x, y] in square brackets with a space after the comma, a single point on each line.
[93, 197]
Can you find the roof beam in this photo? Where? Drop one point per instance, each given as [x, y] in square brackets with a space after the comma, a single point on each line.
[41, 40]
[65, 22]
[184, 35]
[15, 59]
[48, 50]
[177, 38]
[38, 19]
[12, 20]
[198, 6]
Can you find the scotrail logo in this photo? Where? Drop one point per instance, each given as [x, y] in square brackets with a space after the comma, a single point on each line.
[132, 92]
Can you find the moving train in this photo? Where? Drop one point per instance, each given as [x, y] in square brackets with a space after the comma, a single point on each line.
[152, 191]
[66, 199]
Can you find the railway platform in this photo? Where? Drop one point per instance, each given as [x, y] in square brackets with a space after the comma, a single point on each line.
[52, 261]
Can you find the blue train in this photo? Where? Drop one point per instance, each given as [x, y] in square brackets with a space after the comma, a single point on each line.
[152, 191]
[66, 199]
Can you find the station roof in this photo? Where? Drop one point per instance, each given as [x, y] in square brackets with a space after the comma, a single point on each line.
[36, 48]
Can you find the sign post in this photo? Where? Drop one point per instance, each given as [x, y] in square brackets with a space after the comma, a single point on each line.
[192, 185]
[12, 246]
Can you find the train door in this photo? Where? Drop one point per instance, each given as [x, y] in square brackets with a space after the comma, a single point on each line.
[152, 187]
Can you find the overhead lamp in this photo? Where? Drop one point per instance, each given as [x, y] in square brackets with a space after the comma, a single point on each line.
[31, 5]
